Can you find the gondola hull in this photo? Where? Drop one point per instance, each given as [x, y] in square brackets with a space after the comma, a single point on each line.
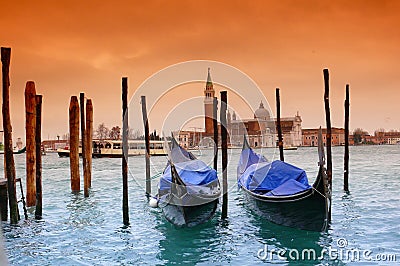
[280, 193]
[308, 210]
[189, 216]
[187, 196]
[306, 213]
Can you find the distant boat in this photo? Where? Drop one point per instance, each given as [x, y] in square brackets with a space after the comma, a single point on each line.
[290, 148]
[64, 152]
[188, 190]
[280, 192]
[113, 149]
[16, 150]
[19, 151]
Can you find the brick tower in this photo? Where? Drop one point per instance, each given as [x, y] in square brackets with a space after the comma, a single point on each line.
[209, 93]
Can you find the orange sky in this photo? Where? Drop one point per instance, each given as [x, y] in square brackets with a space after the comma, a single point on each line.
[71, 46]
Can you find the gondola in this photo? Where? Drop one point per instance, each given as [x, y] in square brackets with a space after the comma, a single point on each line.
[188, 190]
[280, 193]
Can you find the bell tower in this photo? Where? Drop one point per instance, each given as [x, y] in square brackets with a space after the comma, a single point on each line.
[209, 93]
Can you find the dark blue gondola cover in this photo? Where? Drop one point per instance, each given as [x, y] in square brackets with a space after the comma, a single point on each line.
[192, 172]
[247, 158]
[275, 178]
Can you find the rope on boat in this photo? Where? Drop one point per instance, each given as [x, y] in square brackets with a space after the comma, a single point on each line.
[319, 192]
[157, 175]
[153, 177]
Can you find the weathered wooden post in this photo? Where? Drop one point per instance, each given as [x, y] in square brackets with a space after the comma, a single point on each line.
[8, 149]
[125, 200]
[83, 144]
[147, 143]
[74, 143]
[38, 139]
[278, 125]
[224, 147]
[4, 201]
[346, 139]
[89, 140]
[328, 128]
[215, 129]
[328, 135]
[30, 110]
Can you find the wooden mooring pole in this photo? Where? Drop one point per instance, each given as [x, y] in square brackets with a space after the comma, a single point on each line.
[125, 199]
[224, 147]
[74, 143]
[38, 140]
[215, 130]
[30, 126]
[147, 143]
[83, 144]
[346, 139]
[8, 149]
[278, 125]
[328, 135]
[4, 201]
[328, 128]
[89, 140]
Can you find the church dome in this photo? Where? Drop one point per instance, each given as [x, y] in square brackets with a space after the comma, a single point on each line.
[262, 113]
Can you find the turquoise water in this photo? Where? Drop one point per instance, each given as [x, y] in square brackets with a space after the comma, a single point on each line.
[79, 231]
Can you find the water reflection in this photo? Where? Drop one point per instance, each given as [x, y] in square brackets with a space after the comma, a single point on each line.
[84, 211]
[281, 244]
[187, 245]
[349, 210]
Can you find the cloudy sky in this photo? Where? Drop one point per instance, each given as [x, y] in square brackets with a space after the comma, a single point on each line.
[68, 47]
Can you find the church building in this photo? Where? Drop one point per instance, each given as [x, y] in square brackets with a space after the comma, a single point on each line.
[260, 130]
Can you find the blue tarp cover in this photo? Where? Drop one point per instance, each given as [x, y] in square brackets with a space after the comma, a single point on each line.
[290, 187]
[276, 178]
[179, 154]
[247, 158]
[193, 172]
